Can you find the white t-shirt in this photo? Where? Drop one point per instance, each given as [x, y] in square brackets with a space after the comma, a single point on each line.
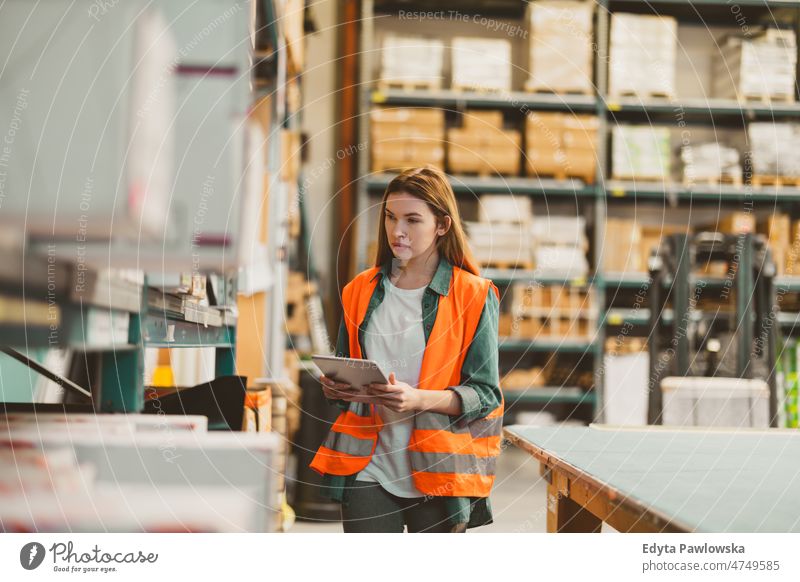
[395, 339]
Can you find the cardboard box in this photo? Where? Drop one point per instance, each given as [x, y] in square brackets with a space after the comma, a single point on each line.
[412, 115]
[505, 324]
[622, 246]
[401, 155]
[776, 227]
[735, 223]
[561, 145]
[482, 120]
[491, 151]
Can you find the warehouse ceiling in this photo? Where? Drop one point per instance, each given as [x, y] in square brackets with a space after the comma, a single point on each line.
[504, 8]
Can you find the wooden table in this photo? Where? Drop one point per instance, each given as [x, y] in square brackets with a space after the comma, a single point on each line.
[661, 479]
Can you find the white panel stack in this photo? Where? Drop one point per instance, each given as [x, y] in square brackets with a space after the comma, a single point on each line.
[412, 61]
[481, 64]
[560, 245]
[561, 46]
[774, 149]
[717, 402]
[762, 67]
[640, 152]
[643, 51]
[711, 161]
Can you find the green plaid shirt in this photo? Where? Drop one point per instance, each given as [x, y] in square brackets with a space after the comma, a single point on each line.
[479, 390]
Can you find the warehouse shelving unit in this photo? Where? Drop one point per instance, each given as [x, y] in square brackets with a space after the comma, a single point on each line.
[605, 193]
[61, 320]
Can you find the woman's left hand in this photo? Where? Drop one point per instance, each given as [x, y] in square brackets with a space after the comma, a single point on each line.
[396, 396]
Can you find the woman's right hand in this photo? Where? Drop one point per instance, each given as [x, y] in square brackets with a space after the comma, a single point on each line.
[341, 391]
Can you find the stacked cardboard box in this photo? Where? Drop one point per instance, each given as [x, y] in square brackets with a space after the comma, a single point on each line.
[761, 66]
[792, 262]
[482, 146]
[481, 64]
[621, 246]
[561, 145]
[560, 246]
[502, 237]
[540, 311]
[774, 150]
[523, 378]
[411, 62]
[404, 137]
[776, 227]
[711, 162]
[561, 46]
[643, 51]
[640, 152]
[734, 223]
[628, 243]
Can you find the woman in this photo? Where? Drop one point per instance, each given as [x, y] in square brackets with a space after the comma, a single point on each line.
[419, 451]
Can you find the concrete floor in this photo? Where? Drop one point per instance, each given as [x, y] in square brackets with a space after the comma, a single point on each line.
[518, 499]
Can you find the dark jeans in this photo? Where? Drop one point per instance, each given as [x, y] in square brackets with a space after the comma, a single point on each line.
[372, 509]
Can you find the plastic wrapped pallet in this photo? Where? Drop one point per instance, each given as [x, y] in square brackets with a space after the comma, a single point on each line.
[711, 162]
[643, 52]
[481, 64]
[717, 402]
[560, 230]
[761, 67]
[411, 61]
[565, 261]
[505, 208]
[560, 46]
[404, 137]
[500, 243]
[640, 151]
[774, 149]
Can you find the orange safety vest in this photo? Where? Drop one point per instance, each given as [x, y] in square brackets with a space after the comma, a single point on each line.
[456, 460]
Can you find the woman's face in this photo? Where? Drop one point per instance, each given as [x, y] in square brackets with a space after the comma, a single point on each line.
[411, 227]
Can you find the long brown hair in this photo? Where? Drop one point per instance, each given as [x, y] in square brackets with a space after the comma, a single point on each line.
[430, 185]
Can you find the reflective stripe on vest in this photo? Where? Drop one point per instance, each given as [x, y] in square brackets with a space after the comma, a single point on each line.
[447, 459]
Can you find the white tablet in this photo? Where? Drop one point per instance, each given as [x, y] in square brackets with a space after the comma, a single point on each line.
[357, 373]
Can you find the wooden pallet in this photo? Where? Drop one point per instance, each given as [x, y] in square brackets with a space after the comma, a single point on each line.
[715, 181]
[522, 265]
[478, 89]
[553, 327]
[541, 299]
[654, 179]
[750, 98]
[645, 95]
[379, 165]
[778, 181]
[531, 88]
[484, 171]
[586, 177]
[408, 85]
